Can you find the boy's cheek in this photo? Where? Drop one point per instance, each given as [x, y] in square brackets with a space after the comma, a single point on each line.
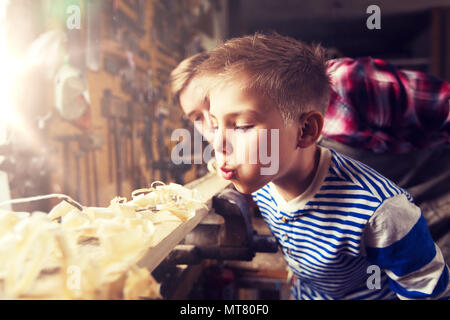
[250, 179]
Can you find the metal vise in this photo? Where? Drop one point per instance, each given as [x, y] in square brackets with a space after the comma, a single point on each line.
[227, 234]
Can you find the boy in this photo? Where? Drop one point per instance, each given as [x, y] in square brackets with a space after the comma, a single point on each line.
[365, 120]
[338, 221]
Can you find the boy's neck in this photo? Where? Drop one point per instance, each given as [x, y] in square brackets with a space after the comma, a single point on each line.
[295, 182]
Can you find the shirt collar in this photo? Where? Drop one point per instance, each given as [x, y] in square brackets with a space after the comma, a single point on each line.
[292, 206]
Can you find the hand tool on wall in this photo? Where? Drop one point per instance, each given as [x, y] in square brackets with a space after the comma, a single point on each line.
[131, 24]
[87, 173]
[123, 20]
[118, 154]
[94, 166]
[68, 153]
[128, 80]
[138, 6]
[131, 4]
[79, 194]
[126, 68]
[162, 163]
[109, 148]
[147, 141]
[132, 77]
[165, 24]
[141, 11]
[113, 63]
[90, 143]
[125, 139]
[136, 114]
[124, 28]
[115, 110]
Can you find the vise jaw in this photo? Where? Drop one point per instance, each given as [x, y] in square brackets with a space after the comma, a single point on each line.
[227, 234]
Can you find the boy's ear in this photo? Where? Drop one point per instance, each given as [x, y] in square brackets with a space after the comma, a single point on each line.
[309, 128]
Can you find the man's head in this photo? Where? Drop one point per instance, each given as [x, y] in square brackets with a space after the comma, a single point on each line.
[188, 90]
[265, 85]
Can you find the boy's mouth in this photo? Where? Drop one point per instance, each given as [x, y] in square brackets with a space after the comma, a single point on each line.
[227, 173]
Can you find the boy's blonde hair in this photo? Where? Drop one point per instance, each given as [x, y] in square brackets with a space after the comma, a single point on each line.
[290, 73]
[186, 70]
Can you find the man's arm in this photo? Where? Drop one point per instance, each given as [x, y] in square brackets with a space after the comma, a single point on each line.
[379, 107]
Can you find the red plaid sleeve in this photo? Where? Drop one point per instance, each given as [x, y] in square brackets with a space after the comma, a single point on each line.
[378, 107]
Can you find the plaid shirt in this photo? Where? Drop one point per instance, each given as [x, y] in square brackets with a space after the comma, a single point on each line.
[377, 107]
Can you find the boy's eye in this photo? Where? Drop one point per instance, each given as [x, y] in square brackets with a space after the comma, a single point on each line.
[198, 119]
[244, 128]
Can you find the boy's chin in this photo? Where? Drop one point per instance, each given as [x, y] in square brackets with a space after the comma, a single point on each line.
[245, 189]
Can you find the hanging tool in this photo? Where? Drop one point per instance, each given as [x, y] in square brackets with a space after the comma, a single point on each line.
[136, 113]
[131, 24]
[162, 164]
[90, 143]
[138, 7]
[79, 194]
[147, 142]
[94, 166]
[66, 141]
[115, 110]
[113, 63]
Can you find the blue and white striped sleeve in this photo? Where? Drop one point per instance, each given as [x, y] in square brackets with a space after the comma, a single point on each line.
[396, 238]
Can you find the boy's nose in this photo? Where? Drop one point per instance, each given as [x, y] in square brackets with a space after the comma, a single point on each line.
[221, 144]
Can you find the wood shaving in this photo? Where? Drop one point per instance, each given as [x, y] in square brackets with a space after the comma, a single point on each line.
[77, 252]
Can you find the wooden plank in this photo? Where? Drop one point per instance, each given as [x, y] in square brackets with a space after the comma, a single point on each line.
[169, 235]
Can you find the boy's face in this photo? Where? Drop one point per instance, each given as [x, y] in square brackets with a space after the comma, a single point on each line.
[196, 107]
[242, 122]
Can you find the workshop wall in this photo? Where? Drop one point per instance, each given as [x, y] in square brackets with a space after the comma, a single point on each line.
[114, 135]
[141, 42]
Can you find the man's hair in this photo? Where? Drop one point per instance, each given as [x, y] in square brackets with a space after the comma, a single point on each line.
[289, 72]
[184, 73]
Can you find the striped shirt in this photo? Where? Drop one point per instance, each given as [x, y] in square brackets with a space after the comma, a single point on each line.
[353, 234]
